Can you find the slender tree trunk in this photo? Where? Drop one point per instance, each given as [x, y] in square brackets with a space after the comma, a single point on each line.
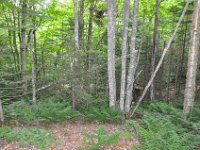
[111, 51]
[23, 46]
[162, 58]
[33, 73]
[124, 53]
[133, 59]
[15, 41]
[154, 50]
[182, 58]
[81, 23]
[76, 69]
[192, 62]
[1, 113]
[168, 76]
[89, 40]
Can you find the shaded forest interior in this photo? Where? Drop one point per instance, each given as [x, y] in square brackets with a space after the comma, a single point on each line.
[133, 64]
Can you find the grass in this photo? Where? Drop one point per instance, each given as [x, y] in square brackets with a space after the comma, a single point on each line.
[27, 137]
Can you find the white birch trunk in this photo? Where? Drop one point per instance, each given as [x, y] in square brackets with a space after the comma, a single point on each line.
[192, 62]
[124, 53]
[33, 73]
[133, 59]
[111, 52]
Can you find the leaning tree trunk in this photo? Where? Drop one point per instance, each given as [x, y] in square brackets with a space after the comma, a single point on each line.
[161, 58]
[192, 62]
[124, 53]
[133, 59]
[154, 50]
[23, 47]
[111, 51]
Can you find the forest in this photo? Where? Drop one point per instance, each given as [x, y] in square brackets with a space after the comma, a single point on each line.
[99, 75]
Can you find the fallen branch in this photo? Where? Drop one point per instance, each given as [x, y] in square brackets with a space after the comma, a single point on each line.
[161, 59]
[28, 93]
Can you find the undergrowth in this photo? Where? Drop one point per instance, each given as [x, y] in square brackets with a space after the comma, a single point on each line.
[100, 138]
[162, 127]
[103, 114]
[45, 111]
[27, 136]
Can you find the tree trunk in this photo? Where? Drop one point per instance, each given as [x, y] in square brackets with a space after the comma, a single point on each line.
[180, 73]
[154, 50]
[124, 53]
[23, 46]
[133, 59]
[81, 23]
[89, 38]
[15, 41]
[33, 73]
[192, 62]
[76, 69]
[111, 52]
[1, 113]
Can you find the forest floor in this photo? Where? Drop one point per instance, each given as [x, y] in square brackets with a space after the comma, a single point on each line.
[70, 135]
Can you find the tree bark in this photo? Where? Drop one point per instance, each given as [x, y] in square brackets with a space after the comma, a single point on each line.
[133, 59]
[76, 69]
[124, 53]
[15, 41]
[89, 38]
[81, 23]
[192, 62]
[161, 59]
[23, 46]
[155, 49]
[111, 51]
[33, 73]
[1, 113]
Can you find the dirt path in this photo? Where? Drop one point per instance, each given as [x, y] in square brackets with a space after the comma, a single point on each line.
[70, 137]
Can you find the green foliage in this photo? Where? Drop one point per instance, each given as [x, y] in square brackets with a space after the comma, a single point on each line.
[103, 113]
[45, 111]
[27, 136]
[162, 127]
[55, 112]
[101, 138]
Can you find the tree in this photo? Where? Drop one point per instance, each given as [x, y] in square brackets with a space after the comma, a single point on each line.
[76, 82]
[111, 51]
[23, 46]
[162, 58]
[33, 73]
[155, 48]
[124, 53]
[192, 62]
[1, 113]
[133, 59]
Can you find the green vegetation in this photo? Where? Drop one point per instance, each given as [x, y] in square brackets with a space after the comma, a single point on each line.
[27, 136]
[162, 127]
[100, 138]
[45, 111]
